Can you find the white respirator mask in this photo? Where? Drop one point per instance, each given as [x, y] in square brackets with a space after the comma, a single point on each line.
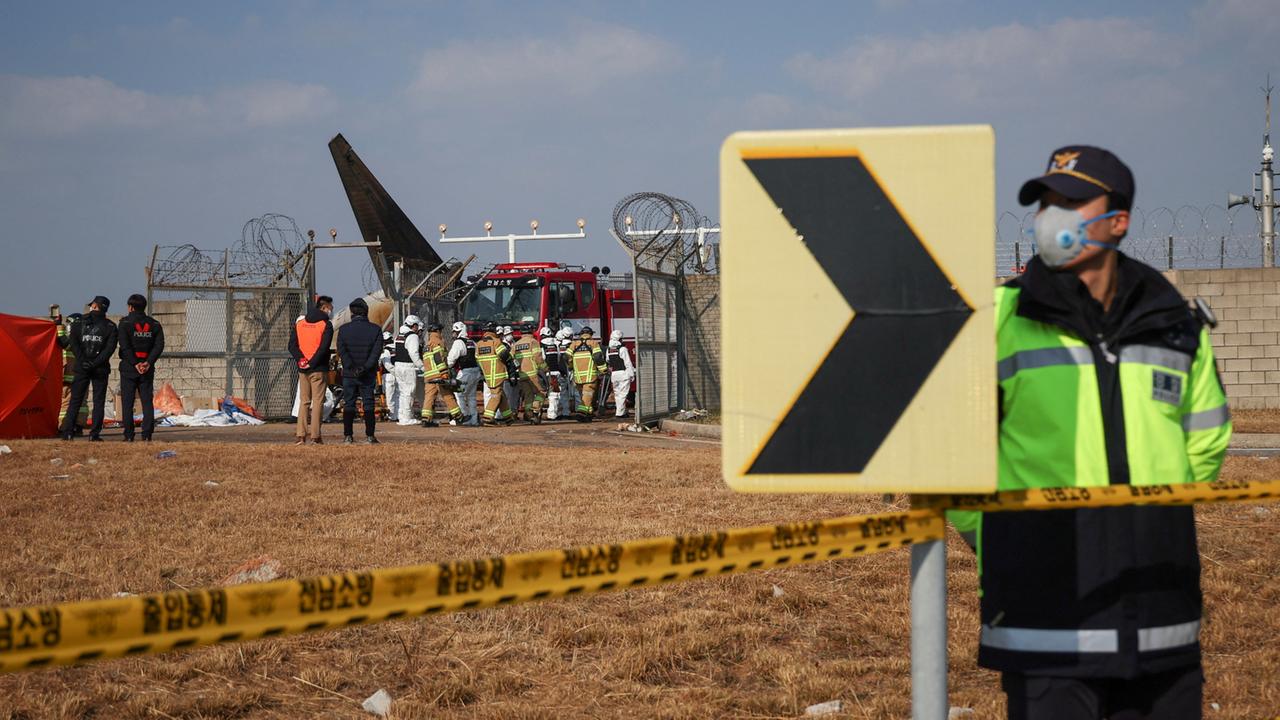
[1060, 234]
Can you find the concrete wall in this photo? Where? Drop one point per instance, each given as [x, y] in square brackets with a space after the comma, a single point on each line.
[701, 316]
[1247, 303]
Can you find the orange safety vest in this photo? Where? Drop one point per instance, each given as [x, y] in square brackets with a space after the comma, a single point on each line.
[309, 336]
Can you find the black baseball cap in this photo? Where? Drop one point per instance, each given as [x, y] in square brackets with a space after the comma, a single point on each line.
[1082, 172]
[102, 302]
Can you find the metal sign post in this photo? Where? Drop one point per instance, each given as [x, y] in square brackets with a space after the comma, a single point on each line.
[929, 630]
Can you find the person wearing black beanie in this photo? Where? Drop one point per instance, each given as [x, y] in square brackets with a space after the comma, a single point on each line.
[359, 349]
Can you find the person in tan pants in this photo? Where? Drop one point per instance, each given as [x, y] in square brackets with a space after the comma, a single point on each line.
[310, 343]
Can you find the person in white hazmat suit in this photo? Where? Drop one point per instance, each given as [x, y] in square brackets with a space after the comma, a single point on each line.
[408, 366]
[462, 361]
[621, 372]
[568, 390]
[555, 381]
[389, 387]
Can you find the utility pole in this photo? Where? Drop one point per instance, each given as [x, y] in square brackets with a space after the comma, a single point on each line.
[1268, 190]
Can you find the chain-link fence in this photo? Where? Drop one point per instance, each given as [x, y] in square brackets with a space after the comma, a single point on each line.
[675, 254]
[1165, 238]
[227, 318]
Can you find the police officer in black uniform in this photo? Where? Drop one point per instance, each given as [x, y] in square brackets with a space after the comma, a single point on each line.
[141, 343]
[93, 340]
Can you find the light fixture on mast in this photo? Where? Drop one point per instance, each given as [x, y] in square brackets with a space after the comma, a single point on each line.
[511, 239]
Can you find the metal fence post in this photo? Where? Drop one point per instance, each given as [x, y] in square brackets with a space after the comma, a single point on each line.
[1017, 255]
[1222, 252]
[929, 631]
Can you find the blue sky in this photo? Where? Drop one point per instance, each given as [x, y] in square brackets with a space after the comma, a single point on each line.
[127, 125]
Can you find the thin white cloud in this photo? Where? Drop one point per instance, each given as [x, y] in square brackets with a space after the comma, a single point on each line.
[1073, 60]
[589, 58]
[72, 105]
[277, 103]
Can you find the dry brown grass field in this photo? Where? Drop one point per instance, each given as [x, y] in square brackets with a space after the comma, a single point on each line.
[717, 648]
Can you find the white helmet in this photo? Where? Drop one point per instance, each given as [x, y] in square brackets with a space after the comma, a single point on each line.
[564, 334]
[459, 328]
[615, 335]
[386, 335]
[413, 321]
[544, 331]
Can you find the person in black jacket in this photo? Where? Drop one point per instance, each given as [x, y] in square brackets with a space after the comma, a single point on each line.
[359, 349]
[141, 343]
[93, 340]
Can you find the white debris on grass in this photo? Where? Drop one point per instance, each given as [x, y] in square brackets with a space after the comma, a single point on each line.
[210, 483]
[829, 707]
[259, 569]
[378, 703]
[959, 712]
[5, 450]
[778, 592]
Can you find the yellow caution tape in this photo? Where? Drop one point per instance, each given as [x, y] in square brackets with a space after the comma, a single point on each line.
[77, 632]
[1105, 496]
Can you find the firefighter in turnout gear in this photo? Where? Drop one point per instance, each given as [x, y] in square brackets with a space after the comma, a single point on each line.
[551, 355]
[621, 372]
[93, 341]
[68, 365]
[462, 360]
[141, 344]
[531, 365]
[493, 357]
[439, 384]
[1106, 377]
[588, 366]
[407, 361]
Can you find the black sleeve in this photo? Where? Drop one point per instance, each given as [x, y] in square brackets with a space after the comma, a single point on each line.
[375, 353]
[344, 353]
[74, 342]
[157, 347]
[294, 350]
[126, 345]
[108, 348]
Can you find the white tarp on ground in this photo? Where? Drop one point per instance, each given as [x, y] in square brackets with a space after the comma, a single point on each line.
[329, 403]
[210, 418]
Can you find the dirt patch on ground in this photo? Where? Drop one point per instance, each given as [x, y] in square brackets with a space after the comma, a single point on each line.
[730, 647]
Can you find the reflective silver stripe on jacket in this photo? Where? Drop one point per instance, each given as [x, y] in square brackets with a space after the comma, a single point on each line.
[1055, 641]
[1206, 419]
[1156, 355]
[1168, 636]
[1087, 641]
[1042, 357]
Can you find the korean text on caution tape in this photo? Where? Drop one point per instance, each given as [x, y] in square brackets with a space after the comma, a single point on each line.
[1106, 496]
[76, 632]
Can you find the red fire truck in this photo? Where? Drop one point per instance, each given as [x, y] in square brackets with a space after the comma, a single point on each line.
[532, 295]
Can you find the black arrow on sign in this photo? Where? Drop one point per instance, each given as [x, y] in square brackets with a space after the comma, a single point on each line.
[906, 313]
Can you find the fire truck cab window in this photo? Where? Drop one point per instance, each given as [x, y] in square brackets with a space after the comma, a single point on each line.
[565, 298]
[588, 293]
[503, 304]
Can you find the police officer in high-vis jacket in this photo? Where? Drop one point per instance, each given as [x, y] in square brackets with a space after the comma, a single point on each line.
[141, 343]
[93, 341]
[1106, 377]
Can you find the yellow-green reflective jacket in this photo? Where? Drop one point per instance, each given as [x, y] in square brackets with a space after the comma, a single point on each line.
[1102, 592]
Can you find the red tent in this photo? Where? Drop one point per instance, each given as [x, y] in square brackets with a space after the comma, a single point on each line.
[31, 365]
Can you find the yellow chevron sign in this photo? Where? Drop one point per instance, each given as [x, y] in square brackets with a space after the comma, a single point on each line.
[857, 329]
